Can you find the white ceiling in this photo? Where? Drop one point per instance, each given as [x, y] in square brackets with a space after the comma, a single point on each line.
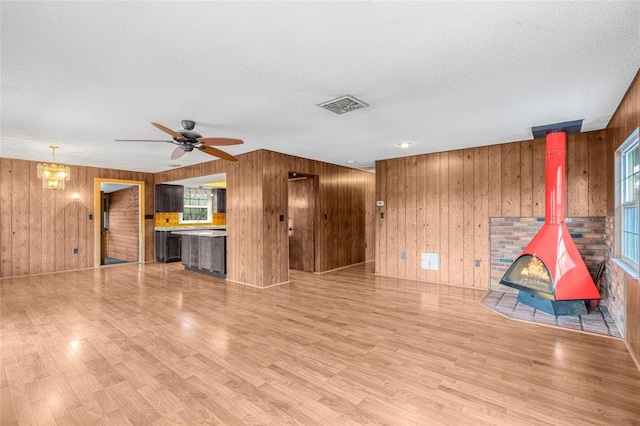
[199, 181]
[108, 188]
[441, 75]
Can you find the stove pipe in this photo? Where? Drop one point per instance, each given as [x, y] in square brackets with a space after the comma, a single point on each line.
[567, 277]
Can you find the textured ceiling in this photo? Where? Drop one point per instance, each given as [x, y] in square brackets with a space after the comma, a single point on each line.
[440, 75]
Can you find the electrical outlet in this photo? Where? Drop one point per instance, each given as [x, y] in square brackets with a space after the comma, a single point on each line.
[75, 251]
[403, 255]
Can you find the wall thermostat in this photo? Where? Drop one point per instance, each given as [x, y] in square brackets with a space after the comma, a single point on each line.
[379, 203]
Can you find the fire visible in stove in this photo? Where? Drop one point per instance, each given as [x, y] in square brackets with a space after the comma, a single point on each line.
[528, 272]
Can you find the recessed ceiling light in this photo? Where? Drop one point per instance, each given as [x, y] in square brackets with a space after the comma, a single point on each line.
[351, 162]
[404, 144]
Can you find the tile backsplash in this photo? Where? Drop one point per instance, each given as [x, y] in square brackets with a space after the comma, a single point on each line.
[172, 219]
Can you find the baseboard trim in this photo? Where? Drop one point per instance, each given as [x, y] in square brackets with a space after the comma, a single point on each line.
[342, 267]
[256, 286]
[633, 356]
[434, 282]
[137, 262]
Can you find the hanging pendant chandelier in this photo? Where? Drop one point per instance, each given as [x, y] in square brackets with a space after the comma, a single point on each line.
[53, 175]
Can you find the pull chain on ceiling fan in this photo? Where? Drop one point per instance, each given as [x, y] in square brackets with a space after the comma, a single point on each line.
[187, 139]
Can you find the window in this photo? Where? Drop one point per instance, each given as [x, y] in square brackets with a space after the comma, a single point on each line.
[197, 206]
[628, 195]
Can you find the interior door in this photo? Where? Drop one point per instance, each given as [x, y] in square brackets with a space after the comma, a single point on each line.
[301, 224]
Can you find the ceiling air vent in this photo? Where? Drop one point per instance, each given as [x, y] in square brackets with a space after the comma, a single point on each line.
[343, 104]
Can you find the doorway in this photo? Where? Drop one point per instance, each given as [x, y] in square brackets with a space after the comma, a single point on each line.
[302, 224]
[119, 221]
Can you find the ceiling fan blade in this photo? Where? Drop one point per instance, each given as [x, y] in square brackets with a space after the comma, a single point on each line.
[177, 153]
[217, 153]
[173, 134]
[219, 141]
[140, 140]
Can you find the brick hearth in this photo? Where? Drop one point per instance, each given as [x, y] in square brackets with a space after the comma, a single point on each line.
[598, 320]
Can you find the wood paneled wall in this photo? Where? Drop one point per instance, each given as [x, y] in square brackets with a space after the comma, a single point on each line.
[39, 228]
[245, 221]
[256, 198]
[345, 209]
[441, 203]
[625, 120]
[123, 242]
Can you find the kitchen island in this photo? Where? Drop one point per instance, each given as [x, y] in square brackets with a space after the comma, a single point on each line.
[168, 244]
[205, 251]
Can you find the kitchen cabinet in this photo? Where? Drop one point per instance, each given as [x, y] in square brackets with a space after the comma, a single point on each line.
[207, 254]
[219, 200]
[169, 198]
[168, 247]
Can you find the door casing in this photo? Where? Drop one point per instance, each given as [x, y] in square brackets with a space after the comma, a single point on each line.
[97, 220]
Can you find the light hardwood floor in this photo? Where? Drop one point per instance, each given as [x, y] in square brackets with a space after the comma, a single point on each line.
[156, 344]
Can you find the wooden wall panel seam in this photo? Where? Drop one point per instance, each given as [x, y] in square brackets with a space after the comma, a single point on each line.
[6, 212]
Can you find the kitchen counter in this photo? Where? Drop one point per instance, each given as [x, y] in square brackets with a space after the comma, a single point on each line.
[188, 228]
[168, 239]
[202, 233]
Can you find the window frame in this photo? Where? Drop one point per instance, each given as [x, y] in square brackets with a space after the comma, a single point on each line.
[187, 204]
[624, 185]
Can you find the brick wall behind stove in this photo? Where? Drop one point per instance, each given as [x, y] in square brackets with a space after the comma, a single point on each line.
[614, 282]
[508, 236]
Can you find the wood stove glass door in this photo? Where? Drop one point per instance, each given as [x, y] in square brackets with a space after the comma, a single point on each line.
[529, 273]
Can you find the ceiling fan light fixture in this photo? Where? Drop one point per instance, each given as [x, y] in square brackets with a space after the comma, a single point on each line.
[187, 139]
[53, 175]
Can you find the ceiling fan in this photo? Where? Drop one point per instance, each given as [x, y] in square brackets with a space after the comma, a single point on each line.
[187, 139]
